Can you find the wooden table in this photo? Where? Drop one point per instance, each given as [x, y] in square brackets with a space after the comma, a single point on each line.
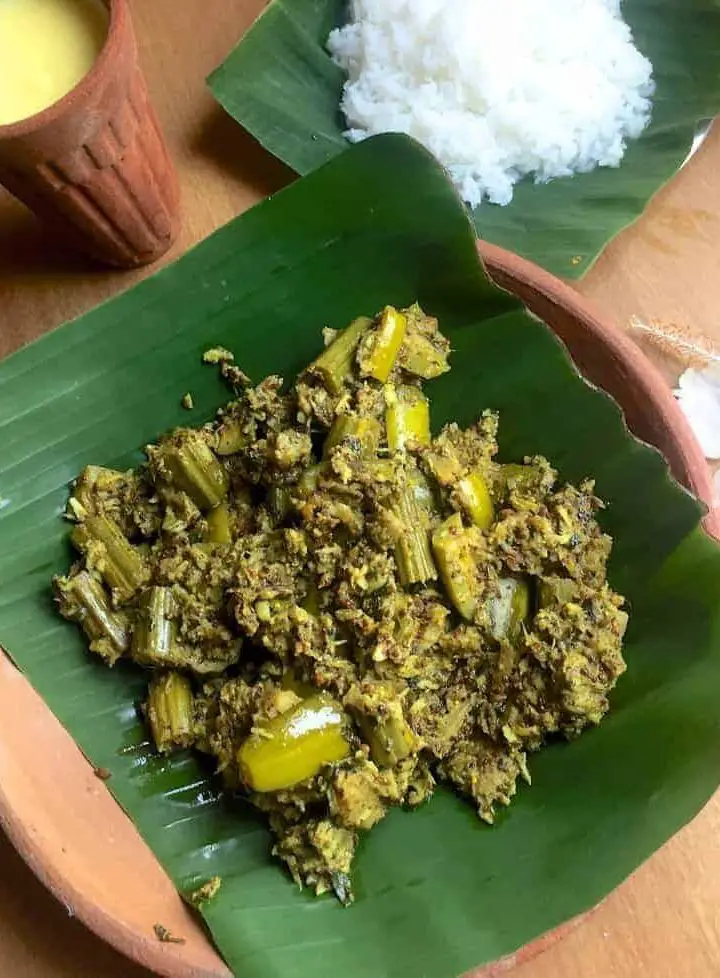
[665, 921]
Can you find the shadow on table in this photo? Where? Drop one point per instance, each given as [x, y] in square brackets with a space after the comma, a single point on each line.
[237, 153]
[39, 272]
[26, 247]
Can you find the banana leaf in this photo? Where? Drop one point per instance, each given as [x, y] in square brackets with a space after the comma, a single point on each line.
[282, 86]
[438, 891]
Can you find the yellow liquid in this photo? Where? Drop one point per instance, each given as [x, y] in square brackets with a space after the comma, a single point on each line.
[46, 48]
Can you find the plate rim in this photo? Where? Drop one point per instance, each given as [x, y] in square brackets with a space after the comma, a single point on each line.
[542, 291]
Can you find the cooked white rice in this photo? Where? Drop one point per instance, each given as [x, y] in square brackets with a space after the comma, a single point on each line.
[496, 89]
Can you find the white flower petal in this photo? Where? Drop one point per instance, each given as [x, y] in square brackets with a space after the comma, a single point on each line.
[699, 396]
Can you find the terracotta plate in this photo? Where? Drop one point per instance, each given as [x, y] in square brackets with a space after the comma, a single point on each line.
[81, 844]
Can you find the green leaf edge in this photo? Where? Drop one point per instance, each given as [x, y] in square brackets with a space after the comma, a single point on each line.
[291, 34]
[170, 774]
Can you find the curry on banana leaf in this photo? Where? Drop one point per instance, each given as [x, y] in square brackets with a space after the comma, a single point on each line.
[341, 609]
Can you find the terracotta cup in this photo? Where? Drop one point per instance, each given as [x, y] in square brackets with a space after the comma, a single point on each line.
[94, 165]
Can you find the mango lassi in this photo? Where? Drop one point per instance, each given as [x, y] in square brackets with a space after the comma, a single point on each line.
[46, 48]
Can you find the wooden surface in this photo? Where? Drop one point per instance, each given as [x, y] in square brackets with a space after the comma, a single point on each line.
[665, 921]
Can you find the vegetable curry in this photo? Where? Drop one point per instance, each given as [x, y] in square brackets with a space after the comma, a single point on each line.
[341, 609]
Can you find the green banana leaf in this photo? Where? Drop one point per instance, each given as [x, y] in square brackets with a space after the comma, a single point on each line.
[282, 86]
[438, 891]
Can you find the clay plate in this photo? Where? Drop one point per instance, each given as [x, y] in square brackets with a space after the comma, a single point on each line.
[80, 843]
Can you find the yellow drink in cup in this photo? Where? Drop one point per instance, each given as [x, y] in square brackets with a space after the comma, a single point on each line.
[93, 165]
[46, 48]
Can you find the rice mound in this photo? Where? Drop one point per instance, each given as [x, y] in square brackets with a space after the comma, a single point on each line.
[496, 91]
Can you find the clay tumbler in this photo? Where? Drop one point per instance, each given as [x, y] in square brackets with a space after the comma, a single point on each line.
[94, 166]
